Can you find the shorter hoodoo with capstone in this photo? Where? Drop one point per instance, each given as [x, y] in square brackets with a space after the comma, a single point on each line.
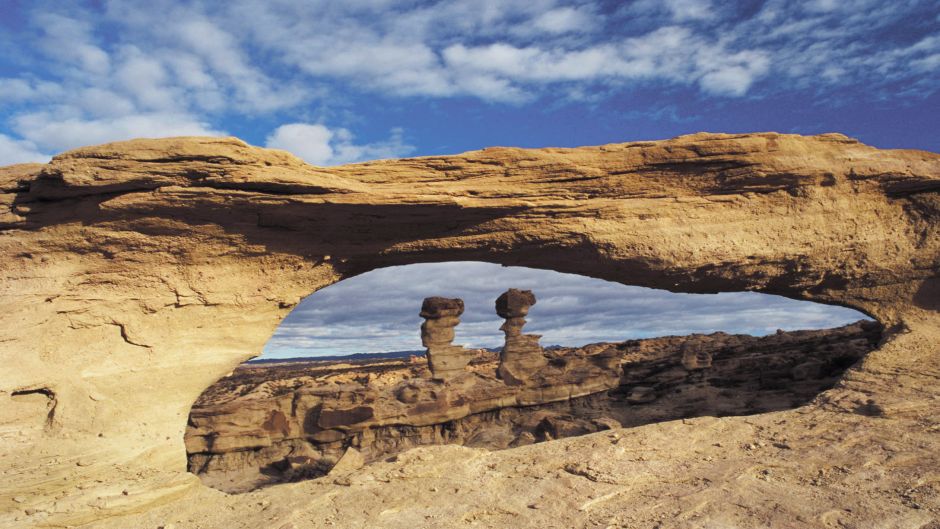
[522, 355]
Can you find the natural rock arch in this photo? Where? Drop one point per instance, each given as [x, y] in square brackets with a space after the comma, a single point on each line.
[139, 272]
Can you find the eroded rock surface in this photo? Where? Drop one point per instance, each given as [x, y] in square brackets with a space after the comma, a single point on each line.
[264, 424]
[136, 274]
[380, 410]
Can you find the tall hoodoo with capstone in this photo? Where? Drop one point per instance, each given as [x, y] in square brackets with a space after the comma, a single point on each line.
[522, 354]
[441, 316]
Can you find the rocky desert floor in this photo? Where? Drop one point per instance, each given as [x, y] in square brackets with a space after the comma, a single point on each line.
[848, 459]
[840, 470]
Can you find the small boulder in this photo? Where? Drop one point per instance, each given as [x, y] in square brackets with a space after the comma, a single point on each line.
[352, 460]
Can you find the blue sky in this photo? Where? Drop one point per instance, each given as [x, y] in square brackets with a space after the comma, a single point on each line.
[346, 81]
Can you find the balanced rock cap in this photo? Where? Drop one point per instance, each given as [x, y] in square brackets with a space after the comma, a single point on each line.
[437, 307]
[514, 303]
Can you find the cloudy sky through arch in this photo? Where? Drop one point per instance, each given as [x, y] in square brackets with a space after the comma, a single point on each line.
[378, 311]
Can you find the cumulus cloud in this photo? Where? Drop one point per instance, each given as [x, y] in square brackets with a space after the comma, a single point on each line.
[99, 64]
[320, 145]
[355, 315]
[19, 151]
[54, 134]
[565, 20]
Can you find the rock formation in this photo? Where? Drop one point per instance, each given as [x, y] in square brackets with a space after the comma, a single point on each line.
[441, 316]
[694, 356]
[521, 356]
[308, 424]
[241, 436]
[136, 274]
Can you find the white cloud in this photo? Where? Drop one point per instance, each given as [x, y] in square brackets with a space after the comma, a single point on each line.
[70, 41]
[512, 52]
[671, 53]
[731, 74]
[101, 102]
[683, 10]
[49, 132]
[532, 64]
[146, 79]
[310, 142]
[16, 90]
[319, 145]
[222, 54]
[19, 151]
[345, 151]
[928, 64]
[564, 20]
[733, 80]
[124, 68]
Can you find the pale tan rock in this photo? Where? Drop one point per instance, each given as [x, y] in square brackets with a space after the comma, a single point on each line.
[351, 460]
[140, 272]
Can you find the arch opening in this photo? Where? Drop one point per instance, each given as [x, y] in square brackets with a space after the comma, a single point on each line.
[346, 380]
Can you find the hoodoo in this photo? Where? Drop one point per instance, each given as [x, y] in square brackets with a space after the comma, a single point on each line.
[441, 316]
[521, 355]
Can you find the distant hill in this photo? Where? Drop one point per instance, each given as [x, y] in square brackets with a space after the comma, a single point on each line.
[332, 358]
[350, 358]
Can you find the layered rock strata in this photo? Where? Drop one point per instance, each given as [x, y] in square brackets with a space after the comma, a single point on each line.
[521, 356]
[441, 317]
[271, 423]
[136, 274]
[303, 431]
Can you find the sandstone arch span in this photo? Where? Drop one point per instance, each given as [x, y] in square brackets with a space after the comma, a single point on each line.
[136, 273]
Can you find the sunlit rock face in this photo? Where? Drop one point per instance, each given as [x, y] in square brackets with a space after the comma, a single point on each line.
[135, 274]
